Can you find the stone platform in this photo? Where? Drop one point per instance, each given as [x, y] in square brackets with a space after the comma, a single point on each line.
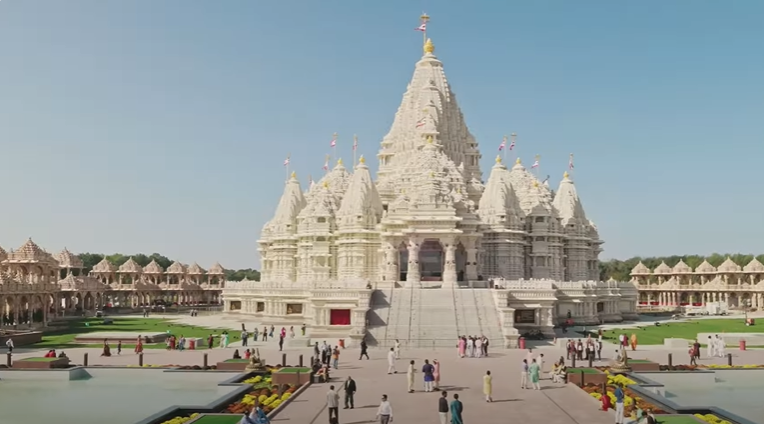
[40, 363]
[117, 336]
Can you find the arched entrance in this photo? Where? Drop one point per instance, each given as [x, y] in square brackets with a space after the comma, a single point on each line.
[431, 260]
[461, 262]
[403, 261]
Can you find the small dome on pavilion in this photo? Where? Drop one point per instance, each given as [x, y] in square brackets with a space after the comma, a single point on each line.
[176, 268]
[30, 251]
[67, 259]
[754, 266]
[681, 268]
[130, 267]
[662, 269]
[216, 269]
[640, 269]
[729, 266]
[705, 268]
[195, 269]
[153, 268]
[104, 266]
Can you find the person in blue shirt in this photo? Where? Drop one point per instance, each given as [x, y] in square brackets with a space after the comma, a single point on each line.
[619, 395]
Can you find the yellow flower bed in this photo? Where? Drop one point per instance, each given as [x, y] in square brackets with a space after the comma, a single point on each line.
[621, 379]
[711, 419]
[734, 366]
[181, 420]
[257, 379]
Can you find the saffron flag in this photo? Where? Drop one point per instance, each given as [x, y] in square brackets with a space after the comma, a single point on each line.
[570, 162]
[286, 161]
[503, 144]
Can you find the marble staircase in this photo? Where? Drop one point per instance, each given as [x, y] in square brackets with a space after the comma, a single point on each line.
[476, 314]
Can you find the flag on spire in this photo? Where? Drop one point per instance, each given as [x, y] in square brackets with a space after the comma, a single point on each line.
[503, 144]
[334, 141]
[286, 161]
[570, 162]
[422, 23]
[326, 163]
[536, 163]
[355, 142]
[512, 144]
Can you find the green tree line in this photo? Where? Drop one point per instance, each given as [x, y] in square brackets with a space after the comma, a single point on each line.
[89, 260]
[620, 270]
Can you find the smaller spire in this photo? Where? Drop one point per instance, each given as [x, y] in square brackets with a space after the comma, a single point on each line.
[339, 161]
[518, 161]
[432, 174]
[498, 158]
[294, 174]
[362, 159]
[565, 175]
[429, 47]
[536, 184]
[326, 184]
[430, 140]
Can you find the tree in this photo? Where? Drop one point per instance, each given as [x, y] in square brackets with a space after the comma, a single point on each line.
[89, 260]
[621, 270]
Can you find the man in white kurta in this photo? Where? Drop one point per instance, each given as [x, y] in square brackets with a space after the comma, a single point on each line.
[711, 347]
[391, 362]
[397, 349]
[410, 376]
[720, 347]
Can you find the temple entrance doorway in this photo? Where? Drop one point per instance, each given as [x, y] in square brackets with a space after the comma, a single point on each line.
[461, 262]
[431, 260]
[403, 261]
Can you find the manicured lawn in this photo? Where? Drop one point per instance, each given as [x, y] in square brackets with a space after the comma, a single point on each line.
[294, 370]
[676, 419]
[584, 370]
[64, 338]
[640, 361]
[230, 419]
[237, 361]
[39, 359]
[653, 335]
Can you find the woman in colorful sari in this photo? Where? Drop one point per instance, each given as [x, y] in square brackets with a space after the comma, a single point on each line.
[139, 345]
[462, 346]
[633, 341]
[456, 410]
[106, 349]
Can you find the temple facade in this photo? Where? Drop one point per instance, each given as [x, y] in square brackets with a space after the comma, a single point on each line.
[430, 220]
[36, 286]
[737, 285]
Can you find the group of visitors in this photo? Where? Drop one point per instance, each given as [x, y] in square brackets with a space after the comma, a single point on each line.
[625, 341]
[107, 349]
[52, 354]
[473, 346]
[430, 374]
[585, 349]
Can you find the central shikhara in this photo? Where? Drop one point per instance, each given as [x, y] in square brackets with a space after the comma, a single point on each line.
[428, 220]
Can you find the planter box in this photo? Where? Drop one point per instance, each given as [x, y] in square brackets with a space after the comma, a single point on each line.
[40, 363]
[233, 365]
[294, 376]
[21, 338]
[644, 366]
[583, 376]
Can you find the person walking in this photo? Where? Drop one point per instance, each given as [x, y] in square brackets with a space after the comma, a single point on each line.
[281, 343]
[244, 337]
[391, 362]
[456, 410]
[333, 404]
[397, 349]
[336, 357]
[533, 372]
[9, 345]
[524, 375]
[443, 407]
[487, 386]
[693, 360]
[364, 350]
[385, 411]
[350, 389]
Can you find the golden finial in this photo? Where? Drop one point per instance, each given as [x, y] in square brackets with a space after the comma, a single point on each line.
[565, 175]
[362, 159]
[429, 47]
[518, 161]
[536, 184]
[432, 174]
[339, 161]
[498, 158]
[326, 184]
[430, 139]
[294, 174]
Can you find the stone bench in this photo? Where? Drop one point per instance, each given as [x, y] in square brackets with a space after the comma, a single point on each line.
[40, 363]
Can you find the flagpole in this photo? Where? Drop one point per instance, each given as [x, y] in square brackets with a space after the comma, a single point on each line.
[355, 148]
[334, 147]
[425, 18]
[287, 165]
[571, 166]
[327, 159]
[505, 148]
[538, 168]
[512, 146]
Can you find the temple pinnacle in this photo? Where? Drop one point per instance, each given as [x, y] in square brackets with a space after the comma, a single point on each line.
[429, 47]
[294, 174]
[339, 161]
[518, 161]
[498, 158]
[430, 140]
[565, 175]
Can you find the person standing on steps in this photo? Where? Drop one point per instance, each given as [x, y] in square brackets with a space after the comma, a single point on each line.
[443, 407]
[333, 404]
[350, 389]
[364, 350]
[391, 362]
[410, 376]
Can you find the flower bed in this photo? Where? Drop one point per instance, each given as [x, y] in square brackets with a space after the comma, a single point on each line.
[708, 367]
[631, 402]
[711, 419]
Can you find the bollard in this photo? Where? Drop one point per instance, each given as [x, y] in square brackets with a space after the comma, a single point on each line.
[670, 360]
[604, 388]
[300, 359]
[583, 383]
[591, 361]
[312, 361]
[283, 359]
[85, 360]
[140, 359]
[204, 361]
[573, 362]
[9, 361]
[729, 359]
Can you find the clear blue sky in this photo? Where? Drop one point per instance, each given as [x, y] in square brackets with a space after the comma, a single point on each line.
[161, 126]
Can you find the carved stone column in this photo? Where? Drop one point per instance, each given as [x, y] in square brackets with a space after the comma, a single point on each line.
[471, 270]
[449, 268]
[413, 276]
[390, 270]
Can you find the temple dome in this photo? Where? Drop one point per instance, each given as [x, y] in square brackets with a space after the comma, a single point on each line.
[729, 266]
[284, 222]
[361, 206]
[499, 205]
[67, 259]
[153, 268]
[640, 269]
[705, 268]
[663, 268]
[130, 267]
[681, 268]
[754, 266]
